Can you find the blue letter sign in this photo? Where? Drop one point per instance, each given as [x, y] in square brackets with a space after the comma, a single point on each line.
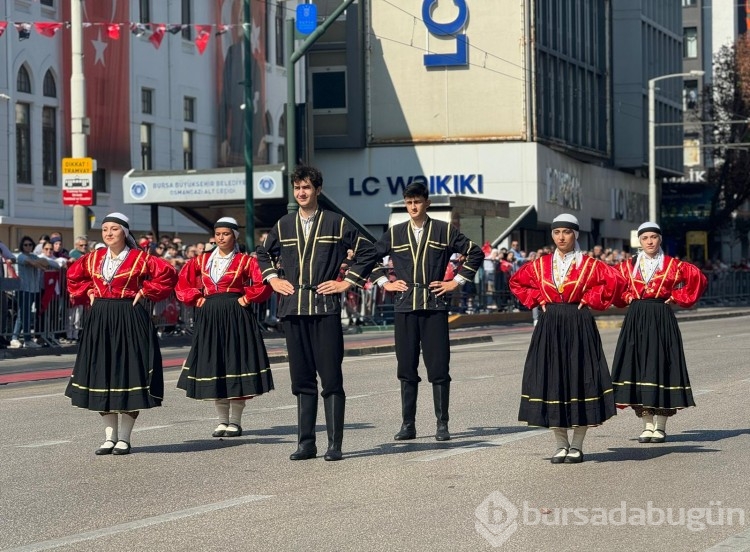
[453, 28]
[307, 18]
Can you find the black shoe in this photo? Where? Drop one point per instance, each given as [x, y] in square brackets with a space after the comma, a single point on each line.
[121, 451]
[659, 436]
[233, 430]
[303, 454]
[559, 459]
[407, 432]
[442, 432]
[333, 455]
[101, 451]
[575, 459]
[219, 432]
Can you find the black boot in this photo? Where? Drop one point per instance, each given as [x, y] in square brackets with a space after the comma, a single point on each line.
[334, 409]
[307, 412]
[408, 411]
[441, 396]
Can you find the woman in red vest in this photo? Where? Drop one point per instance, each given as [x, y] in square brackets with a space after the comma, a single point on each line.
[649, 372]
[118, 369]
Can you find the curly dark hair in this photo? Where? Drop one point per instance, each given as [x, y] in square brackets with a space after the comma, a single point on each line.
[304, 172]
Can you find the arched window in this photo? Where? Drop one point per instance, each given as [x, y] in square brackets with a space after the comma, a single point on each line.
[269, 124]
[49, 88]
[282, 125]
[23, 81]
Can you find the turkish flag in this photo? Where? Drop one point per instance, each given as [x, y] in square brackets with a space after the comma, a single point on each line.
[47, 29]
[107, 68]
[3, 26]
[201, 41]
[158, 35]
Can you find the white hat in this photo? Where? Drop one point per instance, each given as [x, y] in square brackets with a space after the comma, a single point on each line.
[648, 227]
[565, 221]
[228, 222]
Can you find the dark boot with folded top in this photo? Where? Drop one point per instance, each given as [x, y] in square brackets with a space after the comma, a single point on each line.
[307, 412]
[408, 430]
[441, 398]
[334, 406]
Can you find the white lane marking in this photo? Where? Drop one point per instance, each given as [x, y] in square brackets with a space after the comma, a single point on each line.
[149, 428]
[479, 446]
[139, 524]
[478, 377]
[702, 392]
[28, 397]
[736, 543]
[359, 396]
[43, 444]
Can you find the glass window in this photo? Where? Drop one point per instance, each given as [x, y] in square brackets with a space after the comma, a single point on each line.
[689, 3]
[48, 2]
[690, 42]
[49, 146]
[49, 87]
[187, 149]
[146, 147]
[23, 143]
[189, 109]
[187, 19]
[329, 90]
[23, 81]
[147, 101]
[145, 11]
[280, 57]
[690, 94]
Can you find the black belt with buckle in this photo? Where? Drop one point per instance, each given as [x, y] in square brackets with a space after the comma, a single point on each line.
[419, 286]
[306, 286]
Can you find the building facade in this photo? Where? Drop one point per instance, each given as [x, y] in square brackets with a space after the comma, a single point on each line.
[513, 104]
[165, 108]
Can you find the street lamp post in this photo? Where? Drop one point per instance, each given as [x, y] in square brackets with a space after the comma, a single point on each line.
[652, 211]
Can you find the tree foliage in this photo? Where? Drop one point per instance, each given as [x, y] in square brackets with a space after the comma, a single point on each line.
[727, 100]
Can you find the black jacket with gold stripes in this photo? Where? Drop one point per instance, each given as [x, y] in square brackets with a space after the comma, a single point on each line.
[420, 264]
[306, 263]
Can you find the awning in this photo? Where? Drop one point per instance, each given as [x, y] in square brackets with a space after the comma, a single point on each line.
[520, 216]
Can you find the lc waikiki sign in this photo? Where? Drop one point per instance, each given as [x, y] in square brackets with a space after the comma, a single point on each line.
[451, 29]
[448, 184]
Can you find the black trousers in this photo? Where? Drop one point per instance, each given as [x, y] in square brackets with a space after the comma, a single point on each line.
[316, 346]
[430, 330]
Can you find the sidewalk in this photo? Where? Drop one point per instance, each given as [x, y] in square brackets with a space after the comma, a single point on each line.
[23, 365]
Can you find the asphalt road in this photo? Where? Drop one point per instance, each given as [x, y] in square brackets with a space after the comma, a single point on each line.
[491, 487]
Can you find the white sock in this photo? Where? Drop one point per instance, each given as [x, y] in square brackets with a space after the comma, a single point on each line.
[648, 425]
[126, 426]
[579, 433]
[222, 410]
[561, 437]
[660, 422]
[110, 429]
[237, 406]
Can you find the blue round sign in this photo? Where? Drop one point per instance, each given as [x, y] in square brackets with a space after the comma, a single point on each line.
[307, 18]
[138, 190]
[267, 185]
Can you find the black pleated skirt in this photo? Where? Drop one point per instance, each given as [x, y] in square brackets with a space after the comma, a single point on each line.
[118, 367]
[566, 380]
[649, 369]
[228, 359]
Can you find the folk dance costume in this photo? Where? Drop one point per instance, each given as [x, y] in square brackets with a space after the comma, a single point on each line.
[307, 252]
[118, 368]
[420, 256]
[649, 372]
[228, 362]
[566, 381]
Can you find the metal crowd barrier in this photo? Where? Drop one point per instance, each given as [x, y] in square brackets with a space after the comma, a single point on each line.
[726, 288]
[53, 320]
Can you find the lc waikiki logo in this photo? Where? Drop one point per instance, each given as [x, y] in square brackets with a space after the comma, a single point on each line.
[448, 30]
[441, 184]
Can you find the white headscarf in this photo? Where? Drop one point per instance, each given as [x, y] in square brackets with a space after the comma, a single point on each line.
[649, 265]
[569, 221]
[217, 265]
[124, 222]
